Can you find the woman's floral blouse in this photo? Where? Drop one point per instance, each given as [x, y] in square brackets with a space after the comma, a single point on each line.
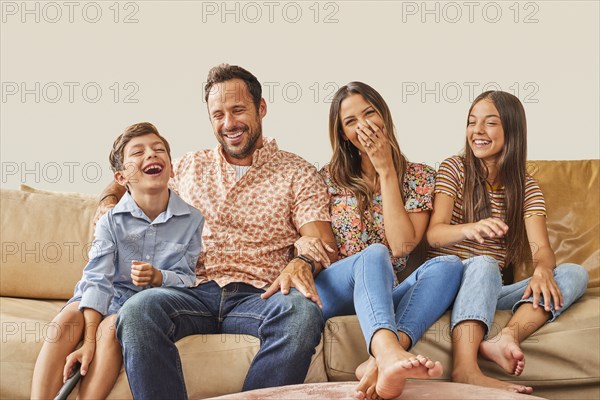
[353, 235]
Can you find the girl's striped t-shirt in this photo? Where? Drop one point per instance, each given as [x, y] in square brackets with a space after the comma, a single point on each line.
[450, 181]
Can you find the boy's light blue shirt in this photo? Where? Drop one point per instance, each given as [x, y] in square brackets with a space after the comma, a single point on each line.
[171, 243]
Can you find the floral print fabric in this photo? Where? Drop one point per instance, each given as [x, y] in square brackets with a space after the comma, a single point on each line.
[353, 235]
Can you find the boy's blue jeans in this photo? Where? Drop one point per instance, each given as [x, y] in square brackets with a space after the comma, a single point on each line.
[363, 284]
[289, 328]
[482, 293]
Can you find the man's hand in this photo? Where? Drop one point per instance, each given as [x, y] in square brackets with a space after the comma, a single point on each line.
[296, 274]
[144, 274]
[105, 205]
[108, 199]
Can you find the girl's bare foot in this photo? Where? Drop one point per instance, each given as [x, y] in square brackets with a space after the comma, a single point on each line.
[476, 377]
[504, 351]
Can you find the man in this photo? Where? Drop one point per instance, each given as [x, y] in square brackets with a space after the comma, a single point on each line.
[257, 201]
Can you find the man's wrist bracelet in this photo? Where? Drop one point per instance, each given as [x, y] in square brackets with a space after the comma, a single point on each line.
[108, 195]
[308, 261]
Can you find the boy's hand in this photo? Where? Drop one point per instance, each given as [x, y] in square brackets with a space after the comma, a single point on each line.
[84, 355]
[144, 274]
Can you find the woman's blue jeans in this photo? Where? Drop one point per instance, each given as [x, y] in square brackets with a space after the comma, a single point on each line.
[482, 293]
[363, 284]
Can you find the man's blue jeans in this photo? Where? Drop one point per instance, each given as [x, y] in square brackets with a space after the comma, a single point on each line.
[482, 293]
[363, 284]
[289, 328]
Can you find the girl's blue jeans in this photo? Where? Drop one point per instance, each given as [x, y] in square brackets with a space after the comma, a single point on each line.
[482, 293]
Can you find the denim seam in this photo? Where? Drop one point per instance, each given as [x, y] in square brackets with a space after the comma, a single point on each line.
[244, 315]
[541, 302]
[472, 318]
[408, 333]
[378, 326]
[220, 313]
[375, 322]
[362, 259]
[409, 305]
[179, 313]
[180, 372]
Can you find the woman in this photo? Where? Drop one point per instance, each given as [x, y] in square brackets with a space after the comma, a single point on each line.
[370, 181]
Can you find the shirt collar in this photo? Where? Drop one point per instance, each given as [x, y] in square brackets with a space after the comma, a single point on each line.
[260, 156]
[176, 206]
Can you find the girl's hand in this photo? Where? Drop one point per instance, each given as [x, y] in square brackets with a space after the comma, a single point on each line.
[315, 248]
[485, 229]
[542, 282]
[377, 146]
[84, 355]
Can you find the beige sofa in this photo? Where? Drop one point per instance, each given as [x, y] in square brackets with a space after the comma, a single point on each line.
[44, 244]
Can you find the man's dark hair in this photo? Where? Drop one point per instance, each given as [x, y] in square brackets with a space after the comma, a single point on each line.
[226, 72]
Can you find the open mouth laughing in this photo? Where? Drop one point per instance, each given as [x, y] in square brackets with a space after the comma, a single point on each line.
[479, 143]
[153, 169]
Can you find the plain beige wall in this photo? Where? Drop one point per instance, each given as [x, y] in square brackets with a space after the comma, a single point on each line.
[149, 59]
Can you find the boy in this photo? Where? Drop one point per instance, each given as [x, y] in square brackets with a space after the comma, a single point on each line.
[151, 238]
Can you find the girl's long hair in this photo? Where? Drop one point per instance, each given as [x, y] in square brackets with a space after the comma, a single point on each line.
[345, 166]
[511, 173]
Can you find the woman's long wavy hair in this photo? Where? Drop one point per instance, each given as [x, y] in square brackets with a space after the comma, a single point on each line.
[345, 166]
[511, 168]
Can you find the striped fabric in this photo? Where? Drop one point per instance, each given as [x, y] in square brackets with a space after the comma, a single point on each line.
[450, 181]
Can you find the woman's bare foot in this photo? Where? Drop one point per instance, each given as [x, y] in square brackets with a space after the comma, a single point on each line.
[367, 374]
[393, 370]
[504, 351]
[476, 377]
[362, 368]
[385, 378]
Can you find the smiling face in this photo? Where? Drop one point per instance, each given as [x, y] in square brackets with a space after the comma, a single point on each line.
[356, 110]
[147, 166]
[236, 122]
[485, 134]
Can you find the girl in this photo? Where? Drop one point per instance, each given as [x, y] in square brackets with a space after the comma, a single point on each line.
[488, 210]
[370, 181]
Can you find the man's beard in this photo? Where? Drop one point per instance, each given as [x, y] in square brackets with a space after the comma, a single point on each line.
[248, 147]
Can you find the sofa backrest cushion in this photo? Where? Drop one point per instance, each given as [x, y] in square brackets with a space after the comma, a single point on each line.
[571, 190]
[46, 235]
[45, 241]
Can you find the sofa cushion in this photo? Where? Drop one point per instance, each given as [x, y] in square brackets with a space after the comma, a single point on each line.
[72, 195]
[25, 325]
[221, 360]
[573, 204]
[561, 353]
[45, 240]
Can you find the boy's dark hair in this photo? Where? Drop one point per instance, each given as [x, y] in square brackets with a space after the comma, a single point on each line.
[226, 72]
[117, 153]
